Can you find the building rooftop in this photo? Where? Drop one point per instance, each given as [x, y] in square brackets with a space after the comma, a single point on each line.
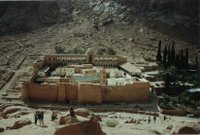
[45, 69]
[77, 79]
[130, 68]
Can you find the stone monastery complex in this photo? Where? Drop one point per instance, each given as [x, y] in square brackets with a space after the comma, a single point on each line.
[85, 78]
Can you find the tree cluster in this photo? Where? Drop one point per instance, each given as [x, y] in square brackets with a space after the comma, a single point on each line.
[169, 57]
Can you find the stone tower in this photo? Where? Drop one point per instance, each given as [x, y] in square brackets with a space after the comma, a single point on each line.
[102, 76]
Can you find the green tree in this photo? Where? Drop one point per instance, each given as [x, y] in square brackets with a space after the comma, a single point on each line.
[196, 62]
[111, 51]
[165, 57]
[170, 76]
[159, 56]
[177, 62]
[186, 59]
[169, 56]
[59, 49]
[181, 59]
[173, 54]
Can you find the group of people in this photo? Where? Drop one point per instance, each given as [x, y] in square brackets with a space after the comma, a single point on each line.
[154, 119]
[39, 115]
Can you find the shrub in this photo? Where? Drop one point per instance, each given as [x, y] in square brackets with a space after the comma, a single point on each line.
[59, 49]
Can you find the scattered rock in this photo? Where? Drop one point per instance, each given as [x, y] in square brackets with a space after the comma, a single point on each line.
[130, 39]
[131, 121]
[141, 30]
[62, 120]
[70, 120]
[81, 128]
[106, 21]
[112, 123]
[1, 129]
[83, 112]
[156, 132]
[169, 127]
[19, 124]
[9, 110]
[67, 120]
[19, 114]
[95, 118]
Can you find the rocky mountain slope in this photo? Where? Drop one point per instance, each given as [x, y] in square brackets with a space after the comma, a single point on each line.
[23, 16]
[173, 17]
[176, 17]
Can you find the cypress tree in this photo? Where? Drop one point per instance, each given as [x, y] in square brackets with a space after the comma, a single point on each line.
[169, 56]
[165, 57]
[167, 82]
[173, 54]
[186, 58]
[159, 56]
[177, 62]
[196, 62]
[181, 59]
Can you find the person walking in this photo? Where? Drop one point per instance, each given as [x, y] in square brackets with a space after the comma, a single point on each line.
[71, 111]
[53, 116]
[41, 118]
[36, 117]
[154, 118]
[149, 120]
[165, 117]
[73, 118]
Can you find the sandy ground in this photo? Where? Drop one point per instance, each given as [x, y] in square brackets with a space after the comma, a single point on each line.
[121, 127]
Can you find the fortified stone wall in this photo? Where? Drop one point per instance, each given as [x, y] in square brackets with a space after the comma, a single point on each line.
[86, 93]
[136, 92]
[89, 93]
[46, 92]
[71, 92]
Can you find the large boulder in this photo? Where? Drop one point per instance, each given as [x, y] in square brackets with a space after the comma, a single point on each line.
[169, 127]
[83, 112]
[19, 124]
[81, 128]
[112, 123]
[95, 118]
[187, 130]
[67, 120]
[62, 120]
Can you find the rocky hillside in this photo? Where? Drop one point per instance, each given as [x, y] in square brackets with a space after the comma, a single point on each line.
[24, 16]
[177, 18]
[185, 7]
[173, 17]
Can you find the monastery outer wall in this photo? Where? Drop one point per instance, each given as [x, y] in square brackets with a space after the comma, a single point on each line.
[71, 92]
[86, 93]
[89, 93]
[46, 92]
[136, 92]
